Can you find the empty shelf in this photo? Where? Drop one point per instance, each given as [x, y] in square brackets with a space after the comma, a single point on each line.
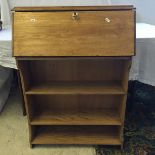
[75, 117]
[76, 135]
[77, 88]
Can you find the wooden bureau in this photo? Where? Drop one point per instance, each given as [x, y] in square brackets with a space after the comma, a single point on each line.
[74, 64]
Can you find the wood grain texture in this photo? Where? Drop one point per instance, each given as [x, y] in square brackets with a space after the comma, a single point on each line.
[25, 84]
[77, 135]
[57, 34]
[81, 100]
[76, 117]
[73, 8]
[75, 58]
[122, 107]
[76, 109]
[74, 102]
[74, 70]
[77, 88]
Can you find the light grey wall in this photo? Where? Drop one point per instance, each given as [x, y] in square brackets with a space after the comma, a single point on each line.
[145, 10]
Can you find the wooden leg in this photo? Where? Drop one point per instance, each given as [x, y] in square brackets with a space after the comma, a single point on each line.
[21, 93]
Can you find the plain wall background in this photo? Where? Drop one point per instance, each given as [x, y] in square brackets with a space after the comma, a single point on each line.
[145, 10]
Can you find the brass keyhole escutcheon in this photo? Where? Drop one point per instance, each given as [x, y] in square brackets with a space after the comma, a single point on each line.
[75, 15]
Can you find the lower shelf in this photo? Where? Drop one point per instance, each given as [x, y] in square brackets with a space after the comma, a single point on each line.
[98, 135]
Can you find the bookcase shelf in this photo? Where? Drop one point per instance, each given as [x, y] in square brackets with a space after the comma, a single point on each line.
[77, 117]
[77, 88]
[87, 106]
[76, 135]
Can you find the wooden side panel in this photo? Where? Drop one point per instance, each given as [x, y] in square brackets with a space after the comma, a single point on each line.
[122, 107]
[92, 33]
[23, 67]
[25, 82]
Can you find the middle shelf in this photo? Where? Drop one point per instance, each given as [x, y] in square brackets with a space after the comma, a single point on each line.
[77, 88]
[75, 109]
[77, 117]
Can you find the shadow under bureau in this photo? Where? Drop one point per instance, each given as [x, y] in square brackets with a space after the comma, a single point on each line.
[74, 64]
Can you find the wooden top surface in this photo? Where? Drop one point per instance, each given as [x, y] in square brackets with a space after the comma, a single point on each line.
[72, 8]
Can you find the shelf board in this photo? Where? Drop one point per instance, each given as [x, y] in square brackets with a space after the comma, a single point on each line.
[74, 117]
[66, 88]
[98, 135]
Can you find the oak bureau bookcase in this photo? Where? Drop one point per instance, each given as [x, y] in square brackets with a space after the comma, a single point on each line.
[74, 64]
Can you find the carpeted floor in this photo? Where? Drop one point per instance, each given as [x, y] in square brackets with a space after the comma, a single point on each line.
[14, 134]
[139, 133]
